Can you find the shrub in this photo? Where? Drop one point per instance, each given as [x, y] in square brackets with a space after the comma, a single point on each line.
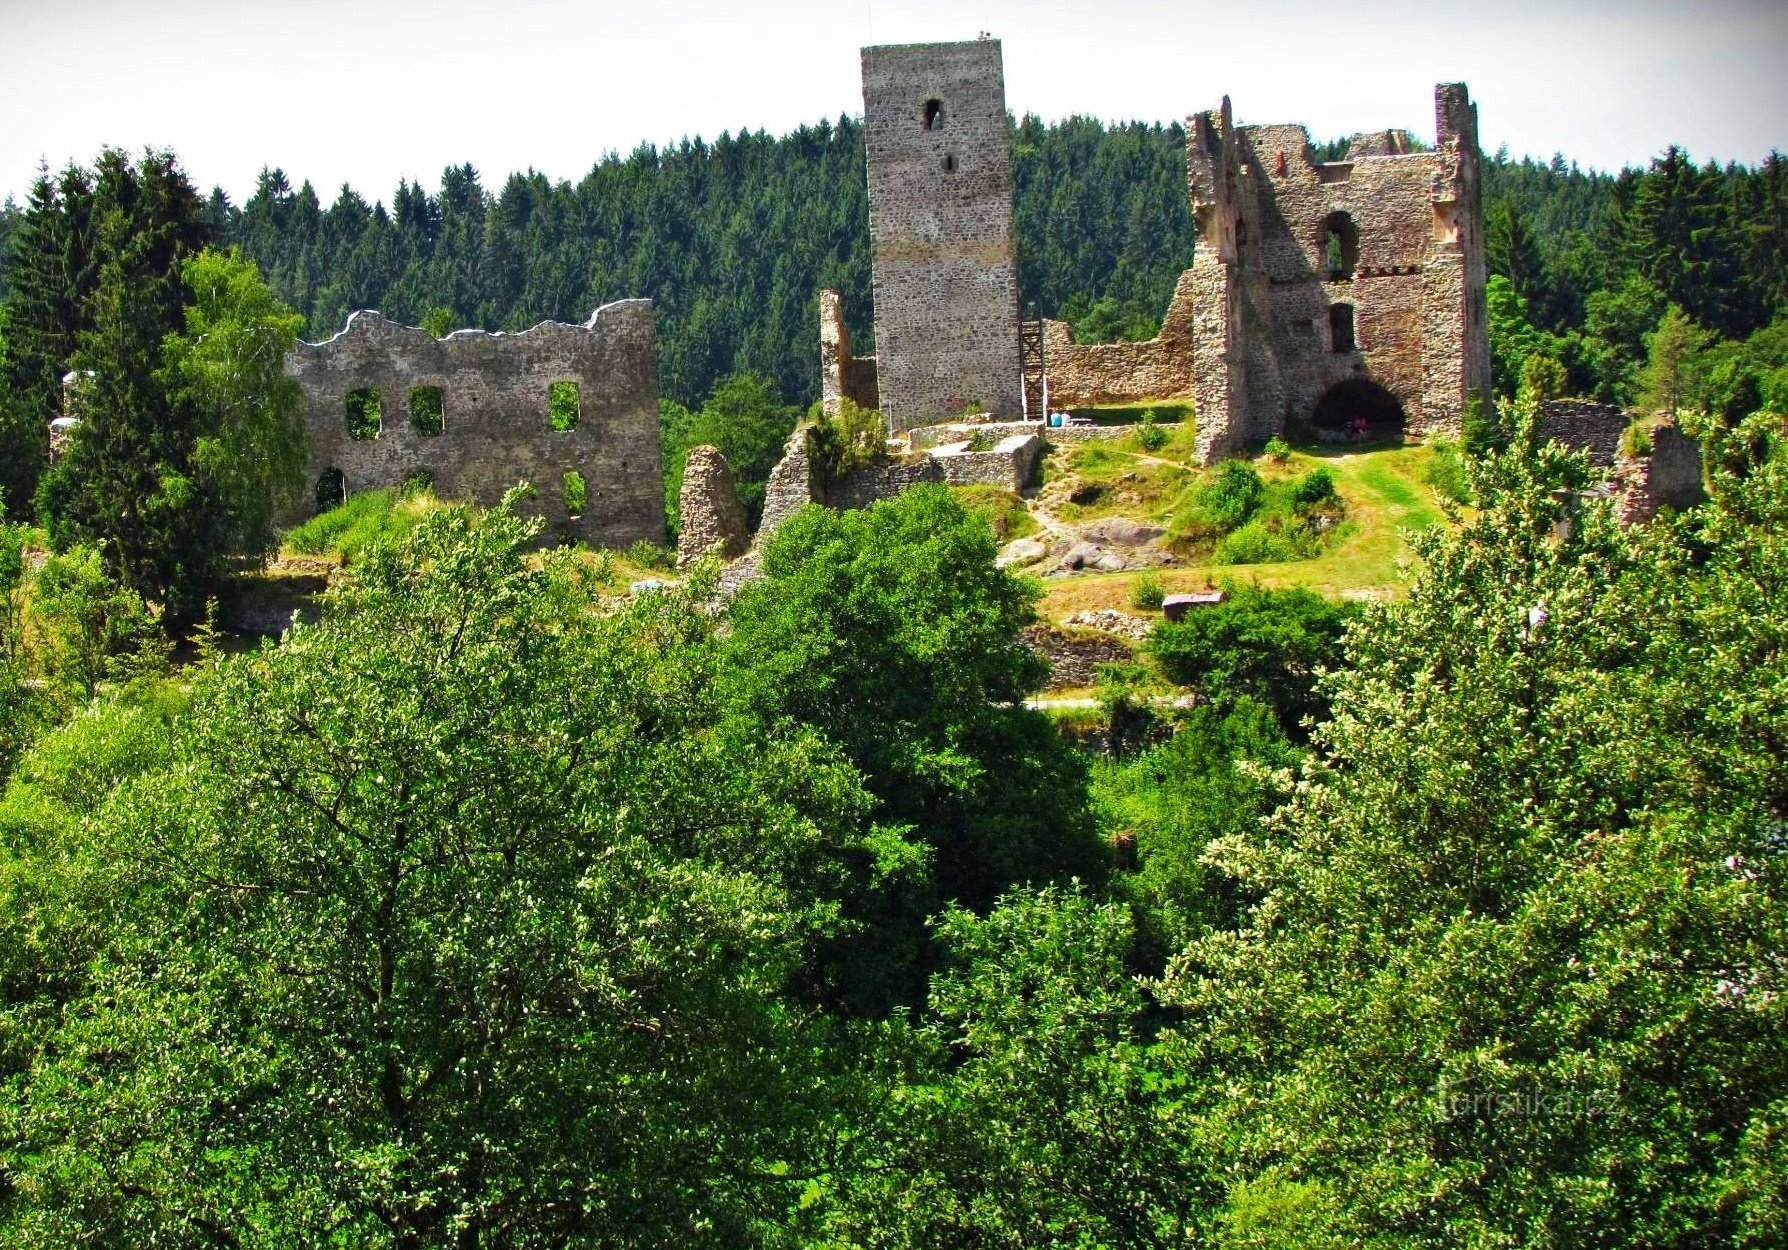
[1147, 592]
[576, 493]
[1277, 450]
[1233, 496]
[1253, 543]
[348, 530]
[1446, 473]
[854, 438]
[1003, 511]
[1316, 486]
[649, 555]
[1635, 440]
[1149, 435]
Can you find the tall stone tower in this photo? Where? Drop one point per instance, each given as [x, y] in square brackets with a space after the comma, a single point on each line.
[940, 231]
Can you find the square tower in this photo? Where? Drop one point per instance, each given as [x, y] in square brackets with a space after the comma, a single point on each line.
[940, 231]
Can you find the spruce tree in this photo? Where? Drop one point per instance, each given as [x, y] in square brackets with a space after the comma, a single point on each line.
[126, 482]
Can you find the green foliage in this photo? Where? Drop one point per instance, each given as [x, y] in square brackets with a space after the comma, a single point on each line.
[1315, 487]
[574, 493]
[1277, 450]
[1223, 503]
[228, 367]
[1542, 378]
[890, 631]
[1106, 320]
[1503, 974]
[90, 629]
[1267, 644]
[650, 555]
[1446, 471]
[1671, 358]
[1003, 511]
[1150, 436]
[367, 519]
[853, 439]
[437, 321]
[415, 895]
[1636, 439]
[746, 420]
[563, 406]
[1147, 592]
[427, 415]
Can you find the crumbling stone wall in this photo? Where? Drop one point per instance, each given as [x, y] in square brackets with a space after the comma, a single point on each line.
[1010, 464]
[1074, 656]
[711, 520]
[940, 230]
[1122, 373]
[842, 375]
[1585, 425]
[495, 428]
[1272, 313]
[1669, 477]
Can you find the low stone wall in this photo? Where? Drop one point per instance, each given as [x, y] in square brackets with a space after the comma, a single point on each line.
[1584, 425]
[956, 431]
[1121, 373]
[842, 375]
[1074, 656]
[1010, 465]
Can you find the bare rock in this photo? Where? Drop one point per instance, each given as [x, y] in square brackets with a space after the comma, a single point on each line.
[1021, 551]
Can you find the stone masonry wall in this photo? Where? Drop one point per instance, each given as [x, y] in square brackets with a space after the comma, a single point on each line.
[495, 427]
[1074, 657]
[1121, 373]
[711, 521]
[1670, 477]
[940, 229]
[842, 375]
[1011, 464]
[1268, 302]
[1585, 425]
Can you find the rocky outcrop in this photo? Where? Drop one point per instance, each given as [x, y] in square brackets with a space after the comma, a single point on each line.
[713, 523]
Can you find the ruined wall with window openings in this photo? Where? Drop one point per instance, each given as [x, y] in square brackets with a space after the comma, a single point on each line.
[570, 409]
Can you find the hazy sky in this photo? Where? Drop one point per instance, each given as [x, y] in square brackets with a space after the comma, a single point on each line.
[368, 91]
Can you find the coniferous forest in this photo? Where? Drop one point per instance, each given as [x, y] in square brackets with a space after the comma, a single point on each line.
[512, 898]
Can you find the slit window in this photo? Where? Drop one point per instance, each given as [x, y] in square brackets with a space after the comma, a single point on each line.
[332, 490]
[562, 406]
[934, 115]
[949, 162]
[426, 408]
[1341, 327]
[363, 413]
[577, 495]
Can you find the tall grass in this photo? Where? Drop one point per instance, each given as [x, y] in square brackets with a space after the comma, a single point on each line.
[364, 519]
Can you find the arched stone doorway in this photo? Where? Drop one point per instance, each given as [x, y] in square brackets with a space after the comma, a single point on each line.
[1361, 408]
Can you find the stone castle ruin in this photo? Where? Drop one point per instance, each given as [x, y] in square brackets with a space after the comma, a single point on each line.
[572, 410]
[1330, 293]
[1319, 293]
[945, 267]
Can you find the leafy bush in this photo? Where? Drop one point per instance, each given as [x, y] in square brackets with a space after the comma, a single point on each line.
[576, 493]
[649, 555]
[1147, 592]
[1635, 440]
[1254, 543]
[854, 438]
[1266, 644]
[562, 406]
[1277, 450]
[1446, 472]
[1315, 487]
[1149, 435]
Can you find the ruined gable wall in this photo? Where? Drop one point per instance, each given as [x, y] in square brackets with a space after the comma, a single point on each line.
[1117, 373]
[496, 430]
[940, 228]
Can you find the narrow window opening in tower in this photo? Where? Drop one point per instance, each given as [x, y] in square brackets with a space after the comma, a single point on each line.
[934, 114]
[1341, 328]
[1340, 246]
[949, 163]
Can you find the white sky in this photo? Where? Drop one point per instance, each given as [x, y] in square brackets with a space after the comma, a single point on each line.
[368, 91]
